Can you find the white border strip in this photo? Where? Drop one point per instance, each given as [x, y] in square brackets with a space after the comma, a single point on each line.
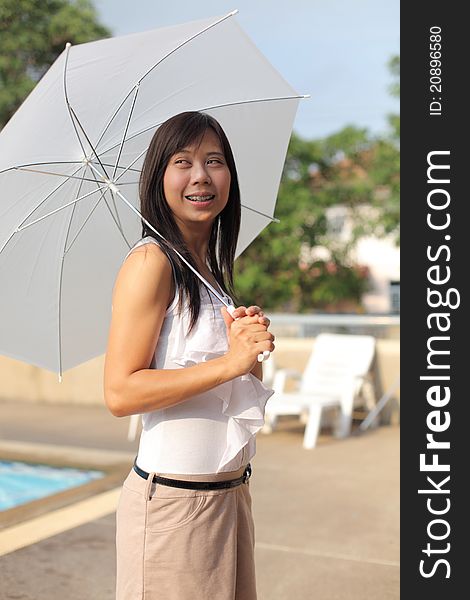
[333, 555]
[58, 521]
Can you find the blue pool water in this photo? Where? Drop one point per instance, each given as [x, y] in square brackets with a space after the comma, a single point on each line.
[22, 482]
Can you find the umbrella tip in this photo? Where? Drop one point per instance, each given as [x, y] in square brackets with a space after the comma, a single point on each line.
[67, 45]
[234, 12]
[305, 96]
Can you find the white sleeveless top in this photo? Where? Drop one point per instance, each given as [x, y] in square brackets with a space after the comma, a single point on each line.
[211, 432]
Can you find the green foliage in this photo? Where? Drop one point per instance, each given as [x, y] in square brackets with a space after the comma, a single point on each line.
[394, 67]
[32, 35]
[330, 284]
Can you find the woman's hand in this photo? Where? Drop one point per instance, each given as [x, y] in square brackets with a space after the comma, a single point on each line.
[247, 336]
[242, 311]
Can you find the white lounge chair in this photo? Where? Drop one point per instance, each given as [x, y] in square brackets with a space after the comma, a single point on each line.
[335, 374]
[269, 369]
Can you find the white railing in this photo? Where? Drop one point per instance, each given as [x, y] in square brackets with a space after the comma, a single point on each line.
[310, 325]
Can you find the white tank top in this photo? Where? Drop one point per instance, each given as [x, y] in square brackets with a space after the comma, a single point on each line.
[211, 432]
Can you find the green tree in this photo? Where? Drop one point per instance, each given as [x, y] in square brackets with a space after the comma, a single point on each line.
[32, 35]
[317, 175]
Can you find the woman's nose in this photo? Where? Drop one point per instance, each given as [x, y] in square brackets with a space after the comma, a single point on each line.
[200, 174]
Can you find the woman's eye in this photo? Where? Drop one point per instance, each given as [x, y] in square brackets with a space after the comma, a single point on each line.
[210, 161]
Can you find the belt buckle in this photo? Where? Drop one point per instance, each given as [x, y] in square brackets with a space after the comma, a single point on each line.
[247, 473]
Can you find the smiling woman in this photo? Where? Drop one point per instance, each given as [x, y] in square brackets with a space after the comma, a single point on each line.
[177, 357]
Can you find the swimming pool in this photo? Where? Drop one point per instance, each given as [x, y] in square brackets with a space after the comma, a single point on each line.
[21, 482]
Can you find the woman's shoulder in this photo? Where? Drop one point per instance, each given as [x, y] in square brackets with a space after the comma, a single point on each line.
[145, 268]
[147, 251]
[145, 244]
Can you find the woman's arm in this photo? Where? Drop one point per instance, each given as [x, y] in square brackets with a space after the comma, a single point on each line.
[140, 299]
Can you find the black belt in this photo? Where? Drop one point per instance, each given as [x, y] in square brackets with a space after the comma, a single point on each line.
[196, 485]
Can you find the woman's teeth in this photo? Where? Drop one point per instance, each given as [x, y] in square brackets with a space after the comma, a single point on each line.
[200, 198]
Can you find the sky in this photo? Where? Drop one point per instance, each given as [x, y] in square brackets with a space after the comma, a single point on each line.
[335, 50]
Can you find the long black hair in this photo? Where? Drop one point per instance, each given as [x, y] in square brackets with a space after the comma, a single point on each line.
[172, 136]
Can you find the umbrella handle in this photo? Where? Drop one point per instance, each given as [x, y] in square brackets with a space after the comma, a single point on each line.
[263, 355]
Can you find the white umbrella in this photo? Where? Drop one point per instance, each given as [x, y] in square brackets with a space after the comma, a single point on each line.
[70, 160]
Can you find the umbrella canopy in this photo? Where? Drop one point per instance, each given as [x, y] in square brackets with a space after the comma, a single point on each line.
[70, 160]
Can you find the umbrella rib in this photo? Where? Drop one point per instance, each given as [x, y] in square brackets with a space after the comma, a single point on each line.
[73, 114]
[119, 167]
[156, 65]
[116, 219]
[273, 219]
[67, 50]
[114, 116]
[195, 35]
[59, 328]
[129, 117]
[129, 183]
[59, 209]
[50, 173]
[57, 162]
[130, 165]
[215, 106]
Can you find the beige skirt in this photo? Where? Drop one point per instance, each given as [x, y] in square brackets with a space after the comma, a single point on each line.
[176, 544]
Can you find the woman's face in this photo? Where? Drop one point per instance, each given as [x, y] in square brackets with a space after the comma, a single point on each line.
[196, 182]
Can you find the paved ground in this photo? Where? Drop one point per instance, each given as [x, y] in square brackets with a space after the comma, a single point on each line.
[327, 520]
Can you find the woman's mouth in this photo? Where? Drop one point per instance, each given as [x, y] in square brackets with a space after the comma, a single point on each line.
[199, 199]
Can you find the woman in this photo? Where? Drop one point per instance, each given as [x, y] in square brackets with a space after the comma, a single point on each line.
[175, 355]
